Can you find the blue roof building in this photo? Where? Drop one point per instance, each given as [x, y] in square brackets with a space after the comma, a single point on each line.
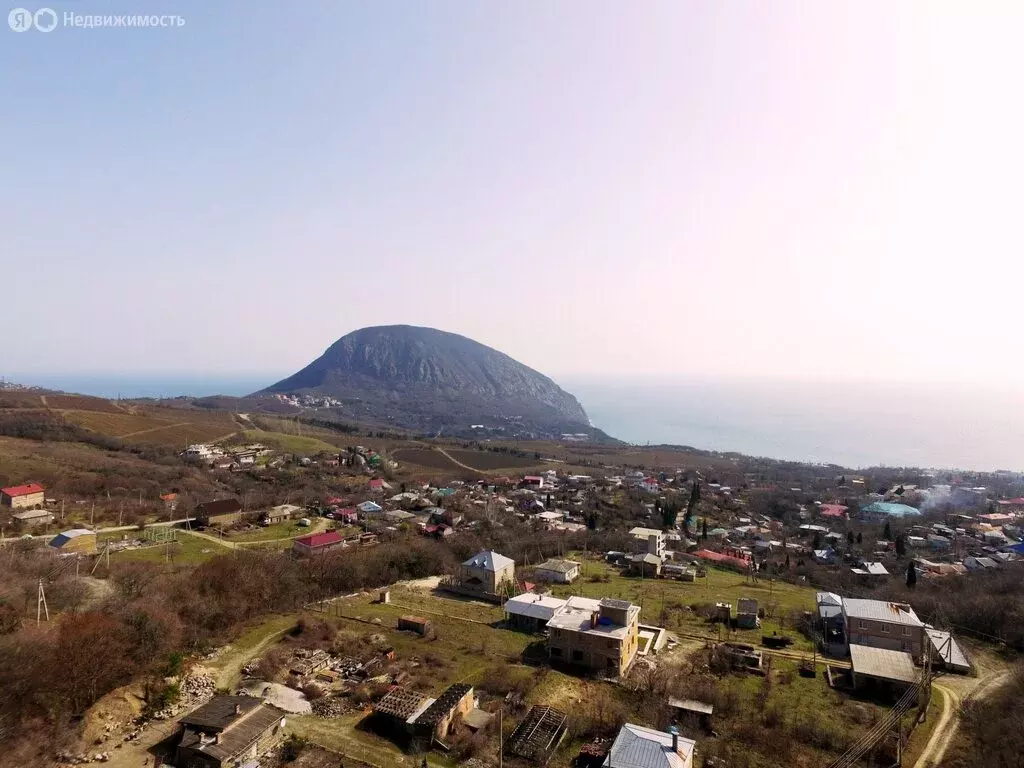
[879, 510]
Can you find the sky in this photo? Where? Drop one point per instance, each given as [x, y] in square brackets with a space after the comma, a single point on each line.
[659, 190]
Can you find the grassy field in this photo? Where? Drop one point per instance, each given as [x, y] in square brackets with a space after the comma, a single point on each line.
[287, 529]
[187, 550]
[300, 444]
[667, 602]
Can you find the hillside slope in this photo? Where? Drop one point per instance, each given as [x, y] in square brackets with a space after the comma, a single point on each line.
[422, 378]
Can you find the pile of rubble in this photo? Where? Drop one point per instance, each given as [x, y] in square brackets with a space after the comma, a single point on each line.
[67, 758]
[251, 667]
[194, 690]
[330, 706]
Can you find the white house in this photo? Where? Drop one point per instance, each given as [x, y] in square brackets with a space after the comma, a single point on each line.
[559, 571]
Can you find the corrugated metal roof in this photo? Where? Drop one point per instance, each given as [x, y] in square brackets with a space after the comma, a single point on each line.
[879, 610]
[22, 490]
[883, 663]
[639, 747]
[947, 649]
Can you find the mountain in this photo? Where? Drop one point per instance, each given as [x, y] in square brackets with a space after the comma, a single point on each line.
[431, 380]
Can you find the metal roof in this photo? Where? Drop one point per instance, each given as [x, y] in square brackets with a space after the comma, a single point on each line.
[533, 606]
[883, 664]
[947, 648]
[879, 610]
[558, 566]
[489, 560]
[639, 747]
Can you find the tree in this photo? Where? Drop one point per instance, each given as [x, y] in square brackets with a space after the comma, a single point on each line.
[704, 529]
[849, 538]
[901, 546]
[911, 575]
[888, 531]
[860, 537]
[787, 562]
[690, 507]
[669, 513]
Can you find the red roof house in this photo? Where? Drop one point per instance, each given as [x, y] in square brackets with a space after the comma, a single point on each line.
[22, 495]
[315, 543]
[833, 510]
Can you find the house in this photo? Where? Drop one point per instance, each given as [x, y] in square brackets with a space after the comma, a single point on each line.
[79, 540]
[228, 731]
[533, 481]
[488, 572]
[837, 511]
[600, 635]
[649, 540]
[318, 543]
[980, 563]
[530, 612]
[645, 566]
[447, 709]
[280, 513]
[396, 713]
[198, 453]
[31, 518]
[218, 513]
[880, 624]
[348, 516]
[560, 571]
[28, 496]
[378, 486]
[170, 500]
[824, 556]
[640, 747]
[870, 570]
[370, 508]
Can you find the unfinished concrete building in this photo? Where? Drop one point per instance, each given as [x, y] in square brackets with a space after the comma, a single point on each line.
[600, 635]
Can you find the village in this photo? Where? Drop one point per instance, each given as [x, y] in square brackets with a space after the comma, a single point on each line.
[658, 593]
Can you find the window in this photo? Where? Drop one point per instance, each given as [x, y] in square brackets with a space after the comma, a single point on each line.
[885, 629]
[577, 655]
[906, 631]
[862, 624]
[556, 652]
[613, 664]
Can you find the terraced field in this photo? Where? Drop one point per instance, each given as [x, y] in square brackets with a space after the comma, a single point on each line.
[157, 426]
[82, 403]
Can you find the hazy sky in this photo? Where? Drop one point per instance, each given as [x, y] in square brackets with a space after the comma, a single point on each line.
[650, 188]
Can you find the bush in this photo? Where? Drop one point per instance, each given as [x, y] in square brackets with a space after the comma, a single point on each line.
[292, 748]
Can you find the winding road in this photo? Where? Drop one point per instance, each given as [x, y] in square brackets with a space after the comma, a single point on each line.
[953, 691]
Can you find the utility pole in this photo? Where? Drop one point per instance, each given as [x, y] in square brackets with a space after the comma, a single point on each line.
[501, 734]
[92, 515]
[62, 509]
[41, 604]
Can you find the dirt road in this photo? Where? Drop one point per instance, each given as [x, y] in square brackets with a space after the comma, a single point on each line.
[953, 689]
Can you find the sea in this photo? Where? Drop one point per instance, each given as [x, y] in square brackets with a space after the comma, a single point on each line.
[854, 424]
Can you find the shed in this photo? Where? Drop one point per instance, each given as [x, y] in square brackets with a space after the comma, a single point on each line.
[892, 668]
[538, 734]
[417, 624]
[692, 711]
[456, 702]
